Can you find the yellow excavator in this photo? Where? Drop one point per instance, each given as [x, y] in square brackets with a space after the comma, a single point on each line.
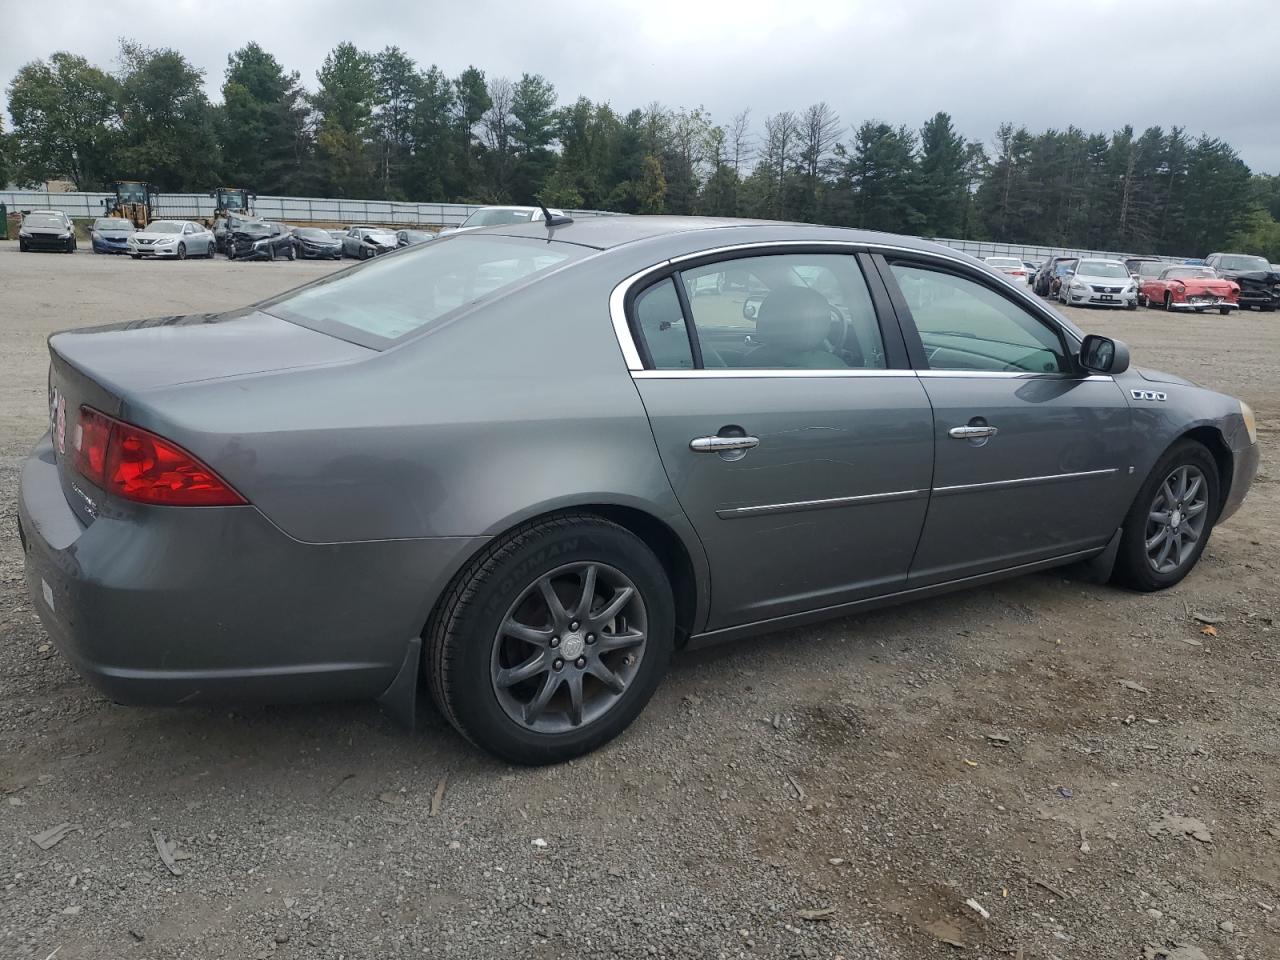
[133, 201]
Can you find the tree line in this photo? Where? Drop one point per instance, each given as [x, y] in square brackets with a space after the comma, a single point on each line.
[380, 126]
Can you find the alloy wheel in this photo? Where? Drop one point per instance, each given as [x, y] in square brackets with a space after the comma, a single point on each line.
[569, 647]
[1175, 521]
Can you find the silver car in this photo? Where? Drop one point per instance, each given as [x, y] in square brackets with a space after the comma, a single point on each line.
[1099, 283]
[522, 466]
[172, 239]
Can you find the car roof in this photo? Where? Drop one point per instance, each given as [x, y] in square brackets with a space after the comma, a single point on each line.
[607, 232]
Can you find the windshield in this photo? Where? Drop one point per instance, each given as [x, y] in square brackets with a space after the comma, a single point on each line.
[252, 229]
[311, 233]
[132, 192]
[1189, 273]
[400, 293]
[497, 216]
[165, 226]
[112, 224]
[1102, 268]
[1244, 263]
[43, 220]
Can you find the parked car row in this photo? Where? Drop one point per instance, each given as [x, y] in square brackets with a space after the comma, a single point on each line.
[1221, 281]
[238, 237]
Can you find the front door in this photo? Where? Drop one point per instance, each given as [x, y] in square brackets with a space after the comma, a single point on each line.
[801, 458]
[1031, 453]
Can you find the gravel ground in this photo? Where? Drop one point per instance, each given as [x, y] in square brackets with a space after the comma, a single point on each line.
[855, 790]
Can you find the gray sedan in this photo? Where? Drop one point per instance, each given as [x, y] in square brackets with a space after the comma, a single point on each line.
[521, 466]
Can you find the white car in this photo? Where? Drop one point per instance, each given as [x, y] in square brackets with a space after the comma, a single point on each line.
[178, 239]
[1011, 266]
[500, 216]
[1099, 283]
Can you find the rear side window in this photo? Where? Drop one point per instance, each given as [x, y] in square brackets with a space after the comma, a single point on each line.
[662, 327]
[395, 296]
[964, 325]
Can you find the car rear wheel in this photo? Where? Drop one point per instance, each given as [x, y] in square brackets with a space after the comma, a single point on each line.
[1172, 516]
[552, 640]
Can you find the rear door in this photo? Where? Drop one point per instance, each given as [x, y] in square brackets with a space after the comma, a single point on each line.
[1031, 453]
[796, 439]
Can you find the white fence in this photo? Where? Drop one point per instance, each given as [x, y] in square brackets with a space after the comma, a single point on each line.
[290, 209]
[330, 210]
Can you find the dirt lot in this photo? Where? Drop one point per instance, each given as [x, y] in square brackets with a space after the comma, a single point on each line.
[827, 792]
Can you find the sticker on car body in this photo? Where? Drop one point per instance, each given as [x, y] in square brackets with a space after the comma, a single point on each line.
[48, 593]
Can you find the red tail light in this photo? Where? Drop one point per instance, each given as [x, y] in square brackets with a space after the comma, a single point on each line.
[138, 465]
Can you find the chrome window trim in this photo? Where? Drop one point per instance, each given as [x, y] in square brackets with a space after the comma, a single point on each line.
[1022, 481]
[768, 509]
[631, 354]
[748, 373]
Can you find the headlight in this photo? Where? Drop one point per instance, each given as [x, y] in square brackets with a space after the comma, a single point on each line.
[23, 233]
[1250, 422]
[1131, 288]
[1077, 285]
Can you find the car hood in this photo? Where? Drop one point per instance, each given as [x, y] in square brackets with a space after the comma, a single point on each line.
[148, 235]
[1159, 376]
[45, 231]
[1104, 281]
[382, 239]
[115, 234]
[321, 241]
[1256, 276]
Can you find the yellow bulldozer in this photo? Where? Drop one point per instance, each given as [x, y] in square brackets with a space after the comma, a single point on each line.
[134, 201]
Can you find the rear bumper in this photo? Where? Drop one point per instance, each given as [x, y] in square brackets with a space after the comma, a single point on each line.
[180, 605]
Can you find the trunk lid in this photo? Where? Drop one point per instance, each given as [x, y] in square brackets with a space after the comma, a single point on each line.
[102, 367]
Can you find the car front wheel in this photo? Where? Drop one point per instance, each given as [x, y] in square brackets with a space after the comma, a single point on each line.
[552, 640]
[1169, 523]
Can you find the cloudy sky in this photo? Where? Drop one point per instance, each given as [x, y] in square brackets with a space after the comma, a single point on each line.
[1209, 67]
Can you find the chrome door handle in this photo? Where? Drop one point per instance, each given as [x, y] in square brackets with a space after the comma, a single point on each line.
[972, 433]
[722, 444]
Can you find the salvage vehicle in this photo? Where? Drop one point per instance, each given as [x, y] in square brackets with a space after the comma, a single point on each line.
[407, 238]
[1049, 277]
[111, 235]
[178, 239]
[259, 240]
[1259, 284]
[1145, 268]
[312, 243]
[391, 478]
[365, 242]
[1099, 283]
[46, 230]
[1191, 288]
[1013, 266]
[499, 216]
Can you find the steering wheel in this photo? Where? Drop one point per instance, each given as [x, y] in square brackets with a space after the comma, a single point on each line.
[843, 344]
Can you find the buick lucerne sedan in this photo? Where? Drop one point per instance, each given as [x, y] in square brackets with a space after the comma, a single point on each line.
[520, 466]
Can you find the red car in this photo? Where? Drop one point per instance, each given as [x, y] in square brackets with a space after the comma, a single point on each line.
[1190, 288]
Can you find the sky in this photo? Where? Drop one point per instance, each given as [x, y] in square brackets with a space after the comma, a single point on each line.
[1097, 64]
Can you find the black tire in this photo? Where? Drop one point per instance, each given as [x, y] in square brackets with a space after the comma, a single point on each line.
[1131, 306]
[464, 632]
[231, 251]
[1225, 311]
[182, 250]
[22, 246]
[292, 253]
[1133, 567]
[1142, 301]
[271, 253]
[1168, 302]
[136, 256]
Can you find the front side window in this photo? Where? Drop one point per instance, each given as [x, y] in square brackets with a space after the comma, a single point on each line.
[967, 326]
[393, 297]
[784, 312]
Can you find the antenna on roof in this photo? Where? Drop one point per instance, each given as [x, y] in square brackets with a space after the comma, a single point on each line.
[553, 219]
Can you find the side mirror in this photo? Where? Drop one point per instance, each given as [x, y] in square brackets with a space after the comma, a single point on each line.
[1104, 355]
